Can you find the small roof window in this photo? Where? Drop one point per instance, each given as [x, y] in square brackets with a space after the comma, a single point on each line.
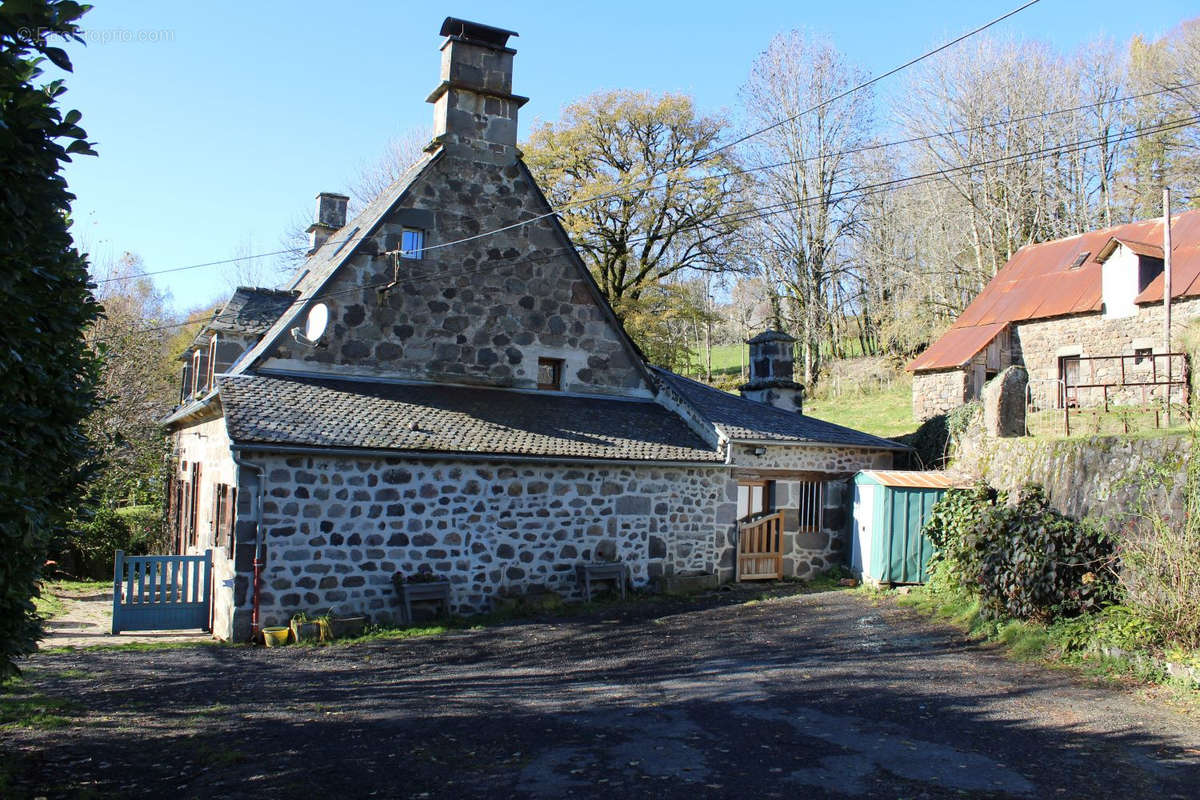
[1079, 259]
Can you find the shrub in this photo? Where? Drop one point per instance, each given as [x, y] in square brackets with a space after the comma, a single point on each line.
[146, 534]
[1161, 556]
[87, 551]
[49, 373]
[1026, 561]
[950, 528]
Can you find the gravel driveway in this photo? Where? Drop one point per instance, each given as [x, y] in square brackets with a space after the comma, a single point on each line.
[818, 695]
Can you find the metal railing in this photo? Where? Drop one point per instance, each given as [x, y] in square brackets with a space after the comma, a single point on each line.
[1157, 382]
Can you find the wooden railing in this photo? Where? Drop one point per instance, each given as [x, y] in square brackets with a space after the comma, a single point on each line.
[760, 549]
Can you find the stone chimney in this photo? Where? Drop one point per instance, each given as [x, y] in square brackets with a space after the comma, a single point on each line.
[331, 217]
[771, 379]
[474, 109]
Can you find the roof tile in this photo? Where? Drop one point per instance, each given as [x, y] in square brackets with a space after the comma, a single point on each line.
[740, 419]
[453, 419]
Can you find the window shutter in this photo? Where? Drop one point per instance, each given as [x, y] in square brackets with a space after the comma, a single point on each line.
[202, 374]
[185, 383]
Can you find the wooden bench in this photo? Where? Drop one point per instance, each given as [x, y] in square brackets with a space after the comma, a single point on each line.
[589, 573]
[437, 592]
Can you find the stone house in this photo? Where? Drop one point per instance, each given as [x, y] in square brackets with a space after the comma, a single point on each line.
[1083, 315]
[443, 388]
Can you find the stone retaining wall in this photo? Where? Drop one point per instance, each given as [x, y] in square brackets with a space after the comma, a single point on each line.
[1098, 477]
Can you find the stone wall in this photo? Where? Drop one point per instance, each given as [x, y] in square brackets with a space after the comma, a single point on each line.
[338, 528]
[1042, 342]
[1098, 477]
[482, 311]
[806, 554]
[816, 458]
[936, 393]
[208, 443]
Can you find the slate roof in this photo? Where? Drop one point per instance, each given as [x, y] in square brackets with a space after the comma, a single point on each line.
[452, 419]
[252, 310]
[740, 419]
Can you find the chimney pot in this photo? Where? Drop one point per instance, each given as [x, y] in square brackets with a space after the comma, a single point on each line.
[331, 217]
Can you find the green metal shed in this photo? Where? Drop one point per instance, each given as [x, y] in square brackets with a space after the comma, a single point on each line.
[890, 509]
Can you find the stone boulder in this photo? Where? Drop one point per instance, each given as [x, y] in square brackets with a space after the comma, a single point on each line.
[1003, 403]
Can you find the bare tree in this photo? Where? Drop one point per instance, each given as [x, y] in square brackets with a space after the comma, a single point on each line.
[400, 153]
[804, 170]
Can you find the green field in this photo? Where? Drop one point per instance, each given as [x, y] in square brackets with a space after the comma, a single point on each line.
[887, 413]
[725, 361]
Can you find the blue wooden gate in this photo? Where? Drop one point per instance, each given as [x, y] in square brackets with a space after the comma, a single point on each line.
[152, 593]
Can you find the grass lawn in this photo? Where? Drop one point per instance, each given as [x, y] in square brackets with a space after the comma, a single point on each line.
[886, 413]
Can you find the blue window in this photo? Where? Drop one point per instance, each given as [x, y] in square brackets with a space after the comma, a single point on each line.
[412, 242]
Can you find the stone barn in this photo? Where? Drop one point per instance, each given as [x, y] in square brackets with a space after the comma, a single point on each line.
[442, 388]
[1083, 315]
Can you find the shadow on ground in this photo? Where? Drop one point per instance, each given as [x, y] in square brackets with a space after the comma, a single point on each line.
[824, 695]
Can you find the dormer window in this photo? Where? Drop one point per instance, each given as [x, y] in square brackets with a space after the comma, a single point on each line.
[412, 243]
[1149, 268]
[550, 372]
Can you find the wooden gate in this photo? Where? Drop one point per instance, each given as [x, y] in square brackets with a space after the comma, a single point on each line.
[760, 549]
[162, 592]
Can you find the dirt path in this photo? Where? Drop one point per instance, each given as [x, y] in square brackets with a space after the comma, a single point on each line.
[87, 622]
[823, 695]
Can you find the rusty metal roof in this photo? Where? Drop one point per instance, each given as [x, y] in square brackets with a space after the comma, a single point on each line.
[1042, 280]
[1141, 248]
[915, 479]
[956, 347]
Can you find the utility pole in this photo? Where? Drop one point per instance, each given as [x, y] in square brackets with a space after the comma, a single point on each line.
[1167, 290]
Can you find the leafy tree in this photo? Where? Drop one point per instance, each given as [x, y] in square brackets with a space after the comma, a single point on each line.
[640, 191]
[49, 372]
[137, 386]
[666, 320]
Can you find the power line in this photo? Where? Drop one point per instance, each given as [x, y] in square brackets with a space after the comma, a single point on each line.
[932, 176]
[740, 171]
[876, 79]
[699, 159]
[762, 212]
[934, 135]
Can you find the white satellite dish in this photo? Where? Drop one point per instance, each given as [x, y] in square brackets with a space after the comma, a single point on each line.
[314, 326]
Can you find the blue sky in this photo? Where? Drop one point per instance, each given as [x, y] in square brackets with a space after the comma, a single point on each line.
[217, 123]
